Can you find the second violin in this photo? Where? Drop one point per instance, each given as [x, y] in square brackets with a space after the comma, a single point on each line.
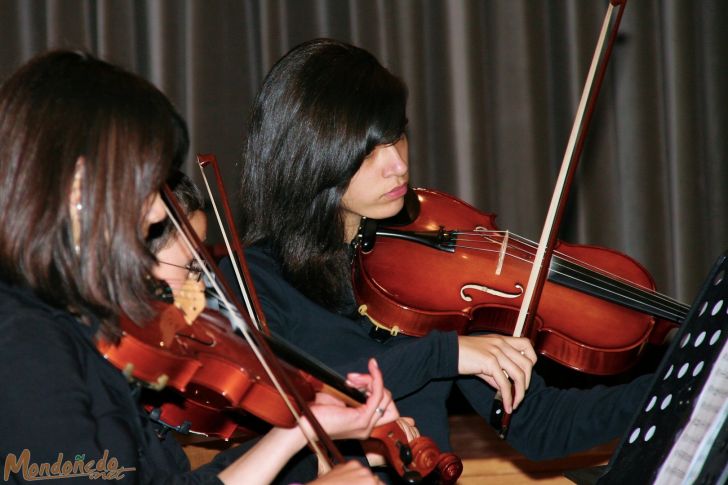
[597, 311]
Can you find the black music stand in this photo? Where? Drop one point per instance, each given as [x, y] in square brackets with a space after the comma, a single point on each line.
[681, 419]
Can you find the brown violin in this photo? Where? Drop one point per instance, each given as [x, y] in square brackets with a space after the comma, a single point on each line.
[443, 265]
[194, 351]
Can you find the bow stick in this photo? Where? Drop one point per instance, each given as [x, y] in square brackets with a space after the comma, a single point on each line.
[257, 343]
[574, 148]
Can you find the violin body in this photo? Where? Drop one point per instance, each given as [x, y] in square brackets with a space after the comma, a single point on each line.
[479, 285]
[207, 363]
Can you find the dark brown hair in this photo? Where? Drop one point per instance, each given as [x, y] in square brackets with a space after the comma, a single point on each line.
[59, 108]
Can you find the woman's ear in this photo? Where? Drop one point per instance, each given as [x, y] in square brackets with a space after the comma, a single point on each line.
[77, 179]
[75, 206]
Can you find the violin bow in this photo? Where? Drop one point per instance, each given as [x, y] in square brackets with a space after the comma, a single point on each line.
[251, 333]
[236, 251]
[574, 148]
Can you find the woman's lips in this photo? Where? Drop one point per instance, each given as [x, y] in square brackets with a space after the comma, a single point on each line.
[397, 192]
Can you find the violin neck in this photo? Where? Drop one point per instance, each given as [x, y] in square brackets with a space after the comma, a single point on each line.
[607, 287]
[333, 383]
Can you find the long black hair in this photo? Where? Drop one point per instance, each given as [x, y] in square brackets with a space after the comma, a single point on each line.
[321, 110]
[58, 109]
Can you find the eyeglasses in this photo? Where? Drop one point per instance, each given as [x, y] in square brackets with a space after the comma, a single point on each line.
[194, 270]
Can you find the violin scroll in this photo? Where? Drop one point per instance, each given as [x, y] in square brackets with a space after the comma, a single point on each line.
[413, 459]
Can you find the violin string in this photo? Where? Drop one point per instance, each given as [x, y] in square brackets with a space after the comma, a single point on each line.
[617, 291]
[239, 323]
[573, 268]
[580, 265]
[639, 292]
[614, 287]
[619, 294]
[619, 286]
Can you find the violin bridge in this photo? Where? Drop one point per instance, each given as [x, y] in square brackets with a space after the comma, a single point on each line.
[503, 246]
[502, 254]
[161, 383]
[128, 371]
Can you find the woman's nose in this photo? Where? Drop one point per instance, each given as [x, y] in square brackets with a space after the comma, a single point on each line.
[156, 212]
[396, 161]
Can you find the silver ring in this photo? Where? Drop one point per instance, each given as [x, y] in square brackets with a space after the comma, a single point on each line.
[379, 411]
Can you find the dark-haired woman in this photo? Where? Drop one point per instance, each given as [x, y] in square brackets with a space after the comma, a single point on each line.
[326, 147]
[84, 150]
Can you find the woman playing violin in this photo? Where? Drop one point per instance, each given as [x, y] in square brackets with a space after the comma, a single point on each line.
[84, 149]
[327, 146]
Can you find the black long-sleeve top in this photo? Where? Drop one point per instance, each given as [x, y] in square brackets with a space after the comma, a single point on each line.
[420, 373]
[63, 402]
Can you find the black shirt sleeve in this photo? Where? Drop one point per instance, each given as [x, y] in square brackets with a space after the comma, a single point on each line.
[553, 422]
[407, 363]
[64, 403]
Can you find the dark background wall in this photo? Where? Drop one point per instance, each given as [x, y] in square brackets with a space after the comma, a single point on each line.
[493, 90]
